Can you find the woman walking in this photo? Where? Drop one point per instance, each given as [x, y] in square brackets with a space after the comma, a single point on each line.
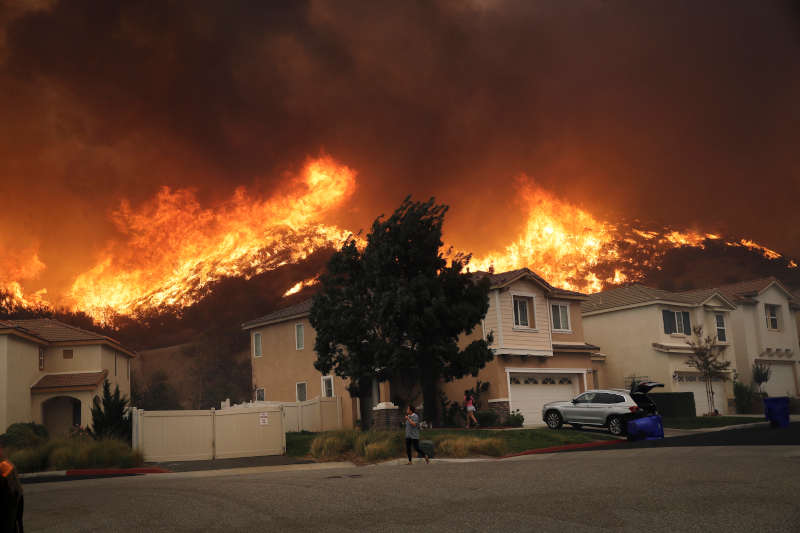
[412, 433]
[469, 401]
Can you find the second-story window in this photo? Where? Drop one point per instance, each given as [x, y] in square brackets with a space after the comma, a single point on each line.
[561, 317]
[298, 336]
[721, 336]
[772, 317]
[521, 312]
[68, 354]
[676, 322]
[41, 358]
[256, 344]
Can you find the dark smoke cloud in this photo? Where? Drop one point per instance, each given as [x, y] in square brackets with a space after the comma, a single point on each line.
[679, 112]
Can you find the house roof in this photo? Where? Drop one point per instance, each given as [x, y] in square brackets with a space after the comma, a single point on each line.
[53, 331]
[499, 280]
[630, 296]
[79, 380]
[300, 309]
[744, 290]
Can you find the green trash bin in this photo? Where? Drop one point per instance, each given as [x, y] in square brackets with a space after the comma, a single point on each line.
[427, 449]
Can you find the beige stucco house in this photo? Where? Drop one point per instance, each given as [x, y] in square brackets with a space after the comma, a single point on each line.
[764, 327]
[51, 373]
[644, 331]
[541, 355]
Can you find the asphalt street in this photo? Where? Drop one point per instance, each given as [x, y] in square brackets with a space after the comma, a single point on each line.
[729, 488]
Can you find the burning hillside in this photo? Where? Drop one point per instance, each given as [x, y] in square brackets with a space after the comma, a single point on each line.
[171, 248]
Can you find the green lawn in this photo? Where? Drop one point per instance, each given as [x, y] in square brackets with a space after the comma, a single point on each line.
[517, 440]
[699, 422]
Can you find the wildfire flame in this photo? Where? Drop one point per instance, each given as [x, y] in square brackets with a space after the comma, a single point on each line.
[175, 247]
[171, 247]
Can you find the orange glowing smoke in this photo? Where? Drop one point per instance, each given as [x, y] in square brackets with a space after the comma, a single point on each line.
[173, 246]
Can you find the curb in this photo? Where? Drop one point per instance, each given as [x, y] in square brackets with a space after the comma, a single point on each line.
[97, 472]
[566, 447]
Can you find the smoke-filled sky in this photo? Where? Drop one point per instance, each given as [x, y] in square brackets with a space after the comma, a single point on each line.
[681, 112]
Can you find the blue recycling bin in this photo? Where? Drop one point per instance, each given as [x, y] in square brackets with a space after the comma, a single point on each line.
[646, 428]
[776, 411]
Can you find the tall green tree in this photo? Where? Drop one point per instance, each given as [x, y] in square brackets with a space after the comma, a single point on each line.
[706, 359]
[396, 310]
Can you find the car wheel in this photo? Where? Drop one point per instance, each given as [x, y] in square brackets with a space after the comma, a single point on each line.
[577, 426]
[554, 420]
[615, 426]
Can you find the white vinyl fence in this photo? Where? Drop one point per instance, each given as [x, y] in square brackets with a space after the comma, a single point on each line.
[197, 435]
[319, 414]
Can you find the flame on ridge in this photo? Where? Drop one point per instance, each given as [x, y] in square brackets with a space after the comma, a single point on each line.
[174, 247]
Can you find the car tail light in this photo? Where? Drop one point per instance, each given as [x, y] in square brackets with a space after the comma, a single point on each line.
[634, 409]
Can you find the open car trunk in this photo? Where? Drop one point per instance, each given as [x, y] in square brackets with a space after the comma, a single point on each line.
[639, 395]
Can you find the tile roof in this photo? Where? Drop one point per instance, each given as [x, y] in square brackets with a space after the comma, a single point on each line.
[631, 295]
[744, 289]
[54, 331]
[503, 278]
[298, 309]
[88, 380]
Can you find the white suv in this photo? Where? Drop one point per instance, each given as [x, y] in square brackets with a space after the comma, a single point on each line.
[611, 408]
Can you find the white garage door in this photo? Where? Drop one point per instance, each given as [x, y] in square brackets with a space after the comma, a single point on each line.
[692, 383]
[781, 382]
[529, 392]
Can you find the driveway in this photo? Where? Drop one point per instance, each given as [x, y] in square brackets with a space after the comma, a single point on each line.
[747, 488]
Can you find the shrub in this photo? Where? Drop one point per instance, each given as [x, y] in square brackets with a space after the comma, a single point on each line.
[459, 447]
[515, 419]
[486, 418]
[110, 418]
[744, 396]
[379, 451]
[333, 445]
[761, 374]
[24, 435]
[70, 454]
[674, 404]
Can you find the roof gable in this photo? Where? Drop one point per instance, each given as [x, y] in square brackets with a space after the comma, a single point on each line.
[747, 289]
[300, 309]
[53, 331]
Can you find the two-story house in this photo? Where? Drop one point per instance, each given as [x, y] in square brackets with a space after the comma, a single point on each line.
[541, 355]
[764, 327]
[51, 373]
[643, 333]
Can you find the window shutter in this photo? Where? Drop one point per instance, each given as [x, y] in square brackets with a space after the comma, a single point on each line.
[667, 321]
[687, 326]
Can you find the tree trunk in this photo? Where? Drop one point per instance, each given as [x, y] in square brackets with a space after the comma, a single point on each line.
[430, 400]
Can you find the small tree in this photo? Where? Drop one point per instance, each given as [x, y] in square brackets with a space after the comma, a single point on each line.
[761, 374]
[110, 418]
[706, 360]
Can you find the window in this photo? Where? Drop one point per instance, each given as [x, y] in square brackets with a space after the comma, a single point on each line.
[772, 317]
[676, 322]
[41, 358]
[514, 381]
[618, 399]
[259, 395]
[327, 386]
[67, 354]
[548, 381]
[565, 381]
[521, 312]
[586, 397]
[115, 364]
[129, 369]
[298, 336]
[721, 337]
[301, 392]
[561, 317]
[256, 344]
[531, 381]
[604, 398]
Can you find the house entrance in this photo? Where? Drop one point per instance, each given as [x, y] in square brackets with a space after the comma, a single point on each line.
[59, 414]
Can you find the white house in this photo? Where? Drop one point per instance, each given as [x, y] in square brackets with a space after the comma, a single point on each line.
[643, 333]
[764, 328]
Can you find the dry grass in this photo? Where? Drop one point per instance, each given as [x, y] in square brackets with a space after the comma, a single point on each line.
[460, 447]
[76, 454]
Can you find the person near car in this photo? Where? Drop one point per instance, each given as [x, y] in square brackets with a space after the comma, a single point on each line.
[469, 401]
[412, 433]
